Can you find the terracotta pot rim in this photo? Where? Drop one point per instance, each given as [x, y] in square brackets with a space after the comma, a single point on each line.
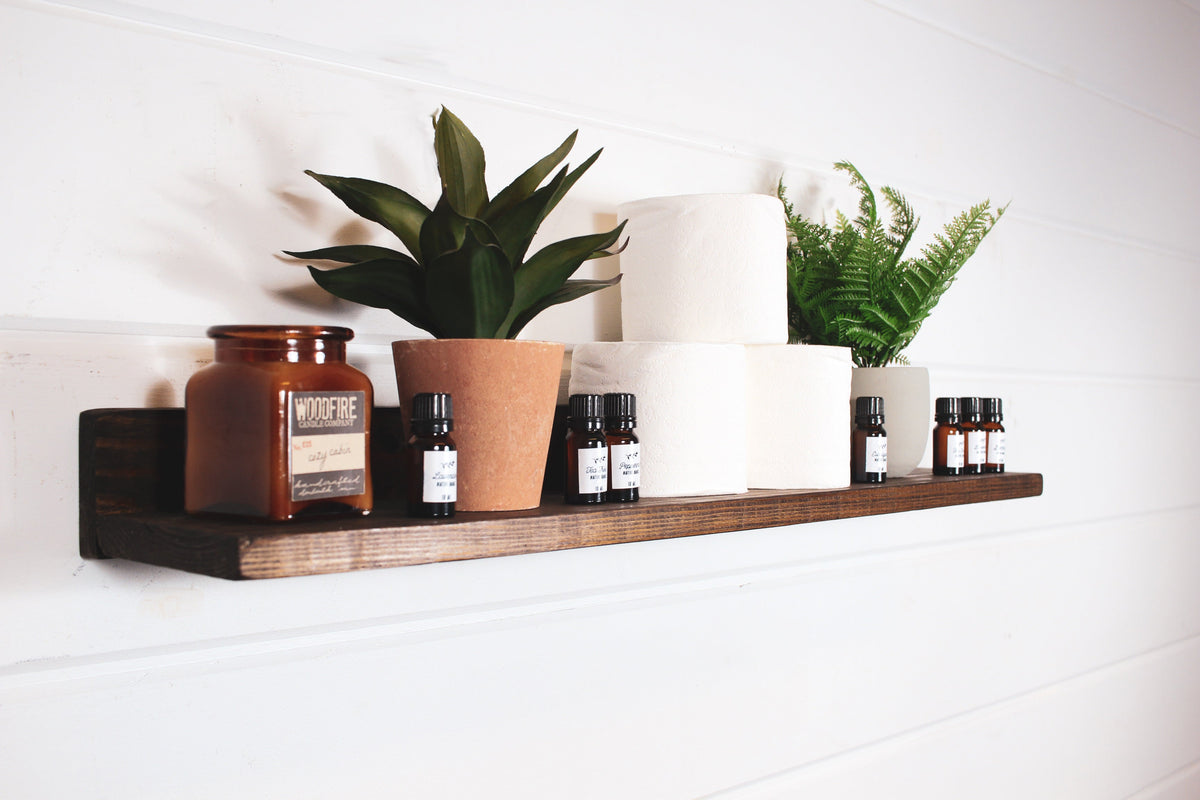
[496, 341]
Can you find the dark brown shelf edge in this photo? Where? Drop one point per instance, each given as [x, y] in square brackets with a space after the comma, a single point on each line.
[137, 530]
[249, 550]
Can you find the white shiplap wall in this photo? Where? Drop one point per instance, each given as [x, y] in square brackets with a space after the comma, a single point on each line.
[1041, 648]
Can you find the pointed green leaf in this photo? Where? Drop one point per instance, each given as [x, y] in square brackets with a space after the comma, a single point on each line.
[571, 290]
[470, 290]
[443, 232]
[568, 182]
[394, 209]
[348, 254]
[528, 181]
[607, 253]
[395, 284]
[549, 268]
[460, 165]
[516, 228]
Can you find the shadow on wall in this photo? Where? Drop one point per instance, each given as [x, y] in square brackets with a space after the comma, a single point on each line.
[215, 235]
[307, 295]
[162, 395]
[607, 317]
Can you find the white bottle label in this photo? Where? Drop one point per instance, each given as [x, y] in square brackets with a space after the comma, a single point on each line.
[976, 447]
[327, 444]
[626, 466]
[995, 447]
[876, 454]
[593, 470]
[440, 479]
[955, 451]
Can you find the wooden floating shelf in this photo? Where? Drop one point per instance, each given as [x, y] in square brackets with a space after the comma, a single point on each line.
[131, 466]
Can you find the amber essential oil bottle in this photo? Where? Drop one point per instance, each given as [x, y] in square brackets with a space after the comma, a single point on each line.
[587, 451]
[949, 447]
[432, 457]
[976, 441]
[624, 449]
[868, 444]
[993, 413]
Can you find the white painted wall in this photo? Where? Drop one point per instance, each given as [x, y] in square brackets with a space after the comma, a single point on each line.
[1045, 648]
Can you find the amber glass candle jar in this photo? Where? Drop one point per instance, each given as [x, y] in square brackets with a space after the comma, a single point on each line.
[278, 425]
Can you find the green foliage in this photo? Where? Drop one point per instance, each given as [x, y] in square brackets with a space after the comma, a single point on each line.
[851, 286]
[465, 274]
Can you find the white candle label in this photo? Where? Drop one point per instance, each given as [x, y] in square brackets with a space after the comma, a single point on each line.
[593, 470]
[875, 457]
[440, 481]
[327, 444]
[976, 447]
[626, 466]
[955, 451]
[995, 447]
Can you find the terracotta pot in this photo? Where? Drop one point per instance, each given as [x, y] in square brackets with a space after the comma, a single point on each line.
[504, 393]
[906, 411]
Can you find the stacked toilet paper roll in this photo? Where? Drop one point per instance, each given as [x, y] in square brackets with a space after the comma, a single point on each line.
[705, 268]
[797, 430]
[723, 403]
[691, 410]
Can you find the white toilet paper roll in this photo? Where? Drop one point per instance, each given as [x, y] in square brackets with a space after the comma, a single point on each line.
[705, 268]
[797, 429]
[691, 410]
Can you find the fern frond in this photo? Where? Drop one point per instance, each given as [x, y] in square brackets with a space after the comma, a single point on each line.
[962, 237]
[851, 286]
[904, 223]
[867, 211]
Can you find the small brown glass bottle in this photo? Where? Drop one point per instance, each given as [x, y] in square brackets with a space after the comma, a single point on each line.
[624, 449]
[432, 457]
[949, 447]
[868, 442]
[976, 441]
[993, 413]
[587, 451]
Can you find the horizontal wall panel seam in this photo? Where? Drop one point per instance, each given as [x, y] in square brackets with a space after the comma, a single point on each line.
[1002, 52]
[599, 118]
[1156, 789]
[945, 369]
[964, 370]
[253, 649]
[963, 718]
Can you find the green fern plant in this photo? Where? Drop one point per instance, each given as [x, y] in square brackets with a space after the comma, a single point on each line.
[467, 273]
[851, 286]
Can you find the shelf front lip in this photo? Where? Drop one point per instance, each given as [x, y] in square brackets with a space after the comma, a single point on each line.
[237, 550]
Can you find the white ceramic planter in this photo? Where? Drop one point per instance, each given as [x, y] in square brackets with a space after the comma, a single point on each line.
[906, 409]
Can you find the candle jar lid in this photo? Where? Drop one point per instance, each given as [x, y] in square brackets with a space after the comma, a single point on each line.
[296, 343]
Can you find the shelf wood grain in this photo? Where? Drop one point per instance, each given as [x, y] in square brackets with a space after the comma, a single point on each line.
[130, 507]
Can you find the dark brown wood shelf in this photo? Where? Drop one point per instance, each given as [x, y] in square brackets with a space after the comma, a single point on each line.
[131, 464]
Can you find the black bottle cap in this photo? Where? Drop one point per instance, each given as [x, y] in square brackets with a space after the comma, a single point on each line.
[586, 406]
[970, 405]
[946, 406]
[866, 407]
[620, 405]
[992, 406]
[432, 407]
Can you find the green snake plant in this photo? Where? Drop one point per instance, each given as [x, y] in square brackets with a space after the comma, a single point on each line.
[467, 272]
[851, 286]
